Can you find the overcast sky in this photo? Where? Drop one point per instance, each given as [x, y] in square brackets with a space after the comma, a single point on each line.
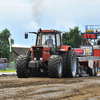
[20, 16]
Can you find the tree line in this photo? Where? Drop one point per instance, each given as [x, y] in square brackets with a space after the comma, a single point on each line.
[73, 37]
[4, 44]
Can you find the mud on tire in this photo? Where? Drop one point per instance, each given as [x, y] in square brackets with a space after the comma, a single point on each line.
[22, 66]
[55, 66]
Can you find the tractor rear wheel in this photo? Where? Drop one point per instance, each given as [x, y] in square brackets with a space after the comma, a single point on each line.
[71, 63]
[64, 58]
[55, 66]
[22, 67]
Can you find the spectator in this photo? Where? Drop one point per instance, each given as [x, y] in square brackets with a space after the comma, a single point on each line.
[87, 43]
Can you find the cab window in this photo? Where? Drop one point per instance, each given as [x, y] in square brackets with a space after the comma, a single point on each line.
[58, 40]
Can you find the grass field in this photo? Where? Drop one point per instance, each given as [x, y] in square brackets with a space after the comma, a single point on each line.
[7, 70]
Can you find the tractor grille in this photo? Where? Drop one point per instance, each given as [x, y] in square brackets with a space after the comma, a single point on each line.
[37, 48]
[37, 55]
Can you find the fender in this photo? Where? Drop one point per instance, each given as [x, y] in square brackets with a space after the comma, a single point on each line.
[65, 48]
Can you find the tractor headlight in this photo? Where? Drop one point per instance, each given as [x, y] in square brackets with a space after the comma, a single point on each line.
[34, 58]
[40, 58]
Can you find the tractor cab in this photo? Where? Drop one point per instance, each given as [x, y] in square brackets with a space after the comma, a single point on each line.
[50, 39]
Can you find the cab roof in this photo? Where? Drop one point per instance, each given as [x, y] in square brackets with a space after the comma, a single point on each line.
[49, 31]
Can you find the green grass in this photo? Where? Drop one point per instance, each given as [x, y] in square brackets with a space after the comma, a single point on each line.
[7, 71]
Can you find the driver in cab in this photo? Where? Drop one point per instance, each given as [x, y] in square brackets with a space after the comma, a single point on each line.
[50, 40]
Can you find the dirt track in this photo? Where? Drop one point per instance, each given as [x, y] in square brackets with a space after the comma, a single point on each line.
[82, 88]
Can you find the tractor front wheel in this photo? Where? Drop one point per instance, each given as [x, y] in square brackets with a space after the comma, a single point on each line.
[55, 66]
[22, 67]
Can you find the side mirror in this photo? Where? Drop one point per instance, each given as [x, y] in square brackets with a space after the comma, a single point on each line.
[26, 35]
[64, 35]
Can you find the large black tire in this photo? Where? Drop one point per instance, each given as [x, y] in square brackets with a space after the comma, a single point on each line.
[64, 58]
[22, 67]
[71, 63]
[55, 66]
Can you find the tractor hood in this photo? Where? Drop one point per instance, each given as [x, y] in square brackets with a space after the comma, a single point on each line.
[40, 48]
[40, 53]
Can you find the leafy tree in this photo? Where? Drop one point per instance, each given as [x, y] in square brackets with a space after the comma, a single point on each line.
[4, 44]
[73, 38]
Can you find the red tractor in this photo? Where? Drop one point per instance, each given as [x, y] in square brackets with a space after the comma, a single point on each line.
[48, 56]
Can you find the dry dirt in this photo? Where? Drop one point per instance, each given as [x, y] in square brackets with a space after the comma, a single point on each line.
[34, 88]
